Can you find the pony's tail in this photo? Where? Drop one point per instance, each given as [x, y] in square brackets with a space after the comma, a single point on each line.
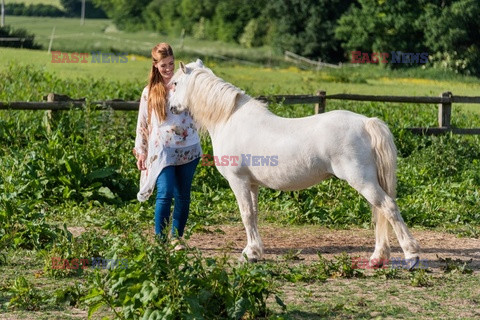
[385, 154]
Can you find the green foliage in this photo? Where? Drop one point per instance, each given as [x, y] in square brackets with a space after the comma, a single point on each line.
[343, 267]
[9, 32]
[37, 10]
[24, 295]
[66, 257]
[340, 267]
[86, 159]
[452, 33]
[126, 14]
[447, 30]
[162, 282]
[382, 26]
[456, 266]
[307, 27]
[420, 278]
[73, 8]
[23, 225]
[70, 295]
[388, 273]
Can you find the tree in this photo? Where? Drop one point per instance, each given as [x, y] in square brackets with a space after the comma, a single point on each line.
[452, 33]
[382, 26]
[2, 22]
[307, 27]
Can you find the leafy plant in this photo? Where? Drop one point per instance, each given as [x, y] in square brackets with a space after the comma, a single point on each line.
[420, 278]
[70, 295]
[162, 282]
[292, 254]
[388, 273]
[24, 295]
[456, 266]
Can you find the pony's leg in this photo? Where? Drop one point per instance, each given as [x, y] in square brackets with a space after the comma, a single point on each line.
[381, 255]
[407, 242]
[388, 208]
[385, 209]
[247, 198]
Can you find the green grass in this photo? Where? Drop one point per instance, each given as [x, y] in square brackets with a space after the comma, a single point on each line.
[101, 34]
[255, 80]
[136, 69]
[449, 296]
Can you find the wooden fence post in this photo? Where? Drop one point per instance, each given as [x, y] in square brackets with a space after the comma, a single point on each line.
[320, 106]
[49, 117]
[445, 111]
[52, 116]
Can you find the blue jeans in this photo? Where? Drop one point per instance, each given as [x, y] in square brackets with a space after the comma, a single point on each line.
[174, 182]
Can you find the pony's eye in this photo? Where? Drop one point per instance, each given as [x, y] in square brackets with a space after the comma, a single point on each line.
[175, 83]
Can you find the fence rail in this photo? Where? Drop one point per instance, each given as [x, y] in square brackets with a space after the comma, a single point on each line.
[298, 59]
[56, 102]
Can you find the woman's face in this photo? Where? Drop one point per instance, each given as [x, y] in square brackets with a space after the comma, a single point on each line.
[166, 67]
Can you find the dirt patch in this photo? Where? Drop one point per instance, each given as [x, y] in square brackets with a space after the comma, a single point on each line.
[310, 240]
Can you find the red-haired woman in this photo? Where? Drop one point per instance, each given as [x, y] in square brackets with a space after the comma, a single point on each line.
[167, 147]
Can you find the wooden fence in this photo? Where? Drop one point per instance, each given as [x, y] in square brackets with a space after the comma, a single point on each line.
[445, 100]
[299, 60]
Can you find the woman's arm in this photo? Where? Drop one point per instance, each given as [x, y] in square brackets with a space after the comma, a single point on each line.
[141, 141]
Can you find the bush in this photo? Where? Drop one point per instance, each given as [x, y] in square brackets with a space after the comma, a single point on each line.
[37, 10]
[27, 42]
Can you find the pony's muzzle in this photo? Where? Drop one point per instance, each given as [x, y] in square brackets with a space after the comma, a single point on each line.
[174, 109]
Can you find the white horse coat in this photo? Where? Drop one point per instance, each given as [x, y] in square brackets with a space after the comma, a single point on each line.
[307, 150]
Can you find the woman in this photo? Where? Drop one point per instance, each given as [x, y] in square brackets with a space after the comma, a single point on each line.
[167, 147]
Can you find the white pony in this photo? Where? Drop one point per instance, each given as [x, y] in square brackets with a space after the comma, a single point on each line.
[259, 148]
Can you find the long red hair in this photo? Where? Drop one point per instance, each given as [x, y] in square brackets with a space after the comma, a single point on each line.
[157, 91]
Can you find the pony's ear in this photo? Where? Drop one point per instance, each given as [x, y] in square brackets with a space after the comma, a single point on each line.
[183, 67]
[199, 63]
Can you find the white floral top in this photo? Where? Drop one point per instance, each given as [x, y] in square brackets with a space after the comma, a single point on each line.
[172, 142]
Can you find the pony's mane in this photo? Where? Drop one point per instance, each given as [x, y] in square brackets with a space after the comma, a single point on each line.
[211, 100]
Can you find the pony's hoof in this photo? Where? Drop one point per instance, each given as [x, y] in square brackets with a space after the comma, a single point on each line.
[244, 258]
[375, 264]
[412, 263]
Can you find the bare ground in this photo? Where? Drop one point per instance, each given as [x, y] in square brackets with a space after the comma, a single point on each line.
[281, 240]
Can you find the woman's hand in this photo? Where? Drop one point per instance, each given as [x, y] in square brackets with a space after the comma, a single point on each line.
[141, 162]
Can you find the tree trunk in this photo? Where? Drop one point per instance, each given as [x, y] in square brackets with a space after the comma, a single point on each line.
[2, 22]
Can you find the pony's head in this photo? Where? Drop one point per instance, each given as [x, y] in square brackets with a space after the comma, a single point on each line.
[178, 101]
[210, 99]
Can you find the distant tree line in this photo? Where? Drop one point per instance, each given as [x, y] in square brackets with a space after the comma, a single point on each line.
[448, 30]
[71, 8]
[38, 10]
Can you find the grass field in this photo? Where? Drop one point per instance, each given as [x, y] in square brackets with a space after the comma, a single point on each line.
[257, 80]
[101, 34]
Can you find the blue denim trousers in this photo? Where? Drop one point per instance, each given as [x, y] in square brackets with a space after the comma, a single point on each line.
[174, 182]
